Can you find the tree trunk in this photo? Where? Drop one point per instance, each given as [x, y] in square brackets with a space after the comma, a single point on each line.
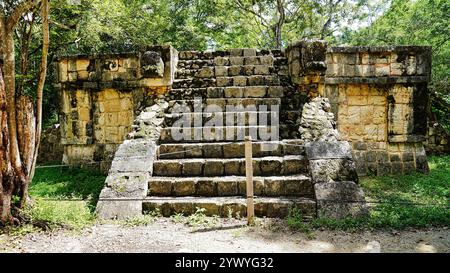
[6, 170]
[20, 123]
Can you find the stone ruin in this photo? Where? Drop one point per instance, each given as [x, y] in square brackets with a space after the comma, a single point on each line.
[319, 117]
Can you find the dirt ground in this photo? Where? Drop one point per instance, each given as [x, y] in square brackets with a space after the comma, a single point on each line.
[164, 235]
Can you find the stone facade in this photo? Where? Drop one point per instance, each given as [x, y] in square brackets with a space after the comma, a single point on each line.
[378, 96]
[333, 113]
[100, 97]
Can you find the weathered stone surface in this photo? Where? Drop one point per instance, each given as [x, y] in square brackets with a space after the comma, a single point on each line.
[130, 184]
[317, 121]
[159, 188]
[184, 188]
[227, 188]
[152, 65]
[328, 150]
[120, 198]
[326, 170]
[118, 209]
[340, 199]
[255, 91]
[213, 168]
[271, 166]
[163, 168]
[193, 167]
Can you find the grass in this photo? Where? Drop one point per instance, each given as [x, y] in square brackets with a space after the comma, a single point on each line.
[67, 197]
[416, 200]
[64, 197]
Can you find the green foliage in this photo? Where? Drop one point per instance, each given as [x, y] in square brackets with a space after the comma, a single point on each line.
[420, 22]
[68, 183]
[199, 219]
[60, 213]
[61, 197]
[416, 200]
[142, 220]
[295, 220]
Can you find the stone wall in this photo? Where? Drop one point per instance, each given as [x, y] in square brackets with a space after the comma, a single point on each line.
[378, 95]
[50, 149]
[379, 98]
[100, 96]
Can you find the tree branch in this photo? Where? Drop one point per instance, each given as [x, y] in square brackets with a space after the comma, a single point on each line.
[18, 12]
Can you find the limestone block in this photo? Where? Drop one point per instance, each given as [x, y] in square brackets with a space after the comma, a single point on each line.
[382, 70]
[252, 61]
[227, 188]
[261, 70]
[84, 114]
[266, 60]
[82, 64]
[72, 76]
[235, 70]
[275, 91]
[325, 170]
[377, 100]
[224, 81]
[247, 52]
[357, 100]
[221, 61]
[397, 69]
[62, 71]
[270, 165]
[126, 184]
[206, 72]
[71, 65]
[233, 149]
[184, 187]
[213, 168]
[159, 188]
[240, 81]
[221, 71]
[120, 209]
[193, 167]
[328, 150]
[367, 114]
[83, 75]
[256, 80]
[167, 168]
[236, 52]
[340, 199]
[255, 91]
[236, 61]
[368, 70]
[248, 70]
[234, 167]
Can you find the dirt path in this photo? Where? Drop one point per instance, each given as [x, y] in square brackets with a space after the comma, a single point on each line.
[164, 235]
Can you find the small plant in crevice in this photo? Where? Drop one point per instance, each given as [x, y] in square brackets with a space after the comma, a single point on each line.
[199, 219]
[296, 221]
[145, 219]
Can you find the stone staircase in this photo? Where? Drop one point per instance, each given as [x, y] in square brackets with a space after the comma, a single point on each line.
[216, 100]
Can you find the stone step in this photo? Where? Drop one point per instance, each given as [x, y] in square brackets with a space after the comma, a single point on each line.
[214, 134]
[211, 81]
[228, 71]
[199, 119]
[232, 92]
[225, 105]
[295, 185]
[196, 55]
[235, 206]
[270, 165]
[230, 150]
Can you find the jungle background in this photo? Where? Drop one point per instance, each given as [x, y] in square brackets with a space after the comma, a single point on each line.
[101, 26]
